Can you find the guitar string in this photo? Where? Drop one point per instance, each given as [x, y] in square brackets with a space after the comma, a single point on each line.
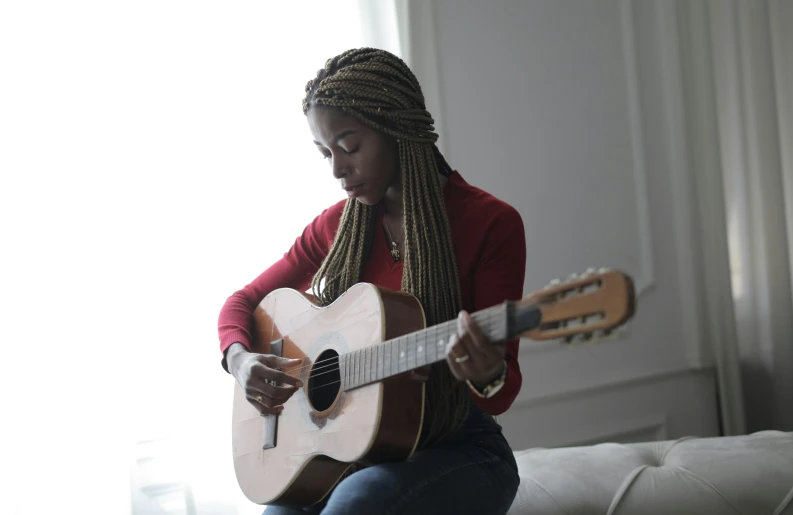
[491, 318]
[338, 367]
[486, 325]
[370, 368]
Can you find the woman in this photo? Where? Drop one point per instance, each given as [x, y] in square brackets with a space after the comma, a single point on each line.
[410, 223]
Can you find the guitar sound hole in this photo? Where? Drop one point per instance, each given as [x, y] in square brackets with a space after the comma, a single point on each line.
[324, 381]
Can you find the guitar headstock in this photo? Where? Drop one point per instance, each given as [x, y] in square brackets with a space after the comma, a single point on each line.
[586, 307]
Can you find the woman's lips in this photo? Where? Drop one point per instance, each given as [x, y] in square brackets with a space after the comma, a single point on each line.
[353, 191]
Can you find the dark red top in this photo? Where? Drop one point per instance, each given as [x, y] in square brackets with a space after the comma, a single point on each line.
[489, 245]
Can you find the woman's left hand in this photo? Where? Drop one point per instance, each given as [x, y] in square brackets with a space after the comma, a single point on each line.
[471, 355]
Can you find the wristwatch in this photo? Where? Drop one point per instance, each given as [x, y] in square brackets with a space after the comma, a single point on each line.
[492, 388]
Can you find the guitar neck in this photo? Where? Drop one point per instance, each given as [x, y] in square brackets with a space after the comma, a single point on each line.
[421, 348]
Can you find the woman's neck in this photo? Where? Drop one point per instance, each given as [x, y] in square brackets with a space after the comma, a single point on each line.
[393, 200]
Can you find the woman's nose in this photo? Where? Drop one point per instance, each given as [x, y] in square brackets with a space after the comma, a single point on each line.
[339, 167]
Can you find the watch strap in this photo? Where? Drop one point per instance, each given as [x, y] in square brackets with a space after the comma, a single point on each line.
[492, 388]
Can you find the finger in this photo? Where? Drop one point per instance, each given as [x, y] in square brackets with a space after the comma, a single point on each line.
[456, 358]
[475, 340]
[465, 353]
[454, 368]
[272, 395]
[263, 370]
[263, 409]
[260, 397]
[481, 367]
[487, 354]
[278, 362]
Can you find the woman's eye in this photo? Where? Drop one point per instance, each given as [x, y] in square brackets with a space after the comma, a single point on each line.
[348, 152]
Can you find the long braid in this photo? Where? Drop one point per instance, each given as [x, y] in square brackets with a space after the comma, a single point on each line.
[379, 90]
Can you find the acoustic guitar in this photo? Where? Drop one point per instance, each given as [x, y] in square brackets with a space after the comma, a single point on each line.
[358, 402]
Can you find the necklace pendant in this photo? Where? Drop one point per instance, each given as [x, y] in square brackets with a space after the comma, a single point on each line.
[395, 251]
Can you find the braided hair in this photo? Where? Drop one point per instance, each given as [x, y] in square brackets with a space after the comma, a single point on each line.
[379, 90]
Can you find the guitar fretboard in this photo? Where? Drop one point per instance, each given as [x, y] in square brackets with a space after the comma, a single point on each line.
[414, 350]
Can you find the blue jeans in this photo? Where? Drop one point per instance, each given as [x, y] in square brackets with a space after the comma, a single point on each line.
[472, 471]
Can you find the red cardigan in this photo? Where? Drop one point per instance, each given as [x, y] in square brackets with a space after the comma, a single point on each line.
[490, 248]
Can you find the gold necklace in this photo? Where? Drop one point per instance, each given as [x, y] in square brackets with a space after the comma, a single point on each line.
[394, 248]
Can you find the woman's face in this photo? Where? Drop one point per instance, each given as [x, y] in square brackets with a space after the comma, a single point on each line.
[365, 161]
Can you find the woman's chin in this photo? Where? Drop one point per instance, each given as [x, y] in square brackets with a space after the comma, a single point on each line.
[367, 200]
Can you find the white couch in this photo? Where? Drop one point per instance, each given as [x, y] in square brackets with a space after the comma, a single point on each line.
[741, 475]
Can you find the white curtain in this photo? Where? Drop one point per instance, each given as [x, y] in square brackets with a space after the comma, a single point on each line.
[753, 71]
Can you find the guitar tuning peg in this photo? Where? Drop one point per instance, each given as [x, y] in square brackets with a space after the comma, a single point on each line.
[607, 335]
[552, 284]
[590, 271]
[572, 277]
[578, 338]
[603, 270]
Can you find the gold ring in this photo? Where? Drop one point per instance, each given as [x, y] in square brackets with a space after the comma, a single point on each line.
[462, 359]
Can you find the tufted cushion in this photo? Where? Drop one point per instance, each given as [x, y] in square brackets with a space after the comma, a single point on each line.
[748, 475]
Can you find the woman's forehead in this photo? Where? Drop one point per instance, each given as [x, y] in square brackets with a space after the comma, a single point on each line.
[327, 123]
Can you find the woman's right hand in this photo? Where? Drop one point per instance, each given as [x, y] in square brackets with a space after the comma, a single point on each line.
[253, 371]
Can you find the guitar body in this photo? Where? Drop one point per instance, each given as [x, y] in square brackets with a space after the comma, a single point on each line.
[323, 429]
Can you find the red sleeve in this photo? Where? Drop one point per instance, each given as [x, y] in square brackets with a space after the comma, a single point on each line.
[294, 270]
[499, 276]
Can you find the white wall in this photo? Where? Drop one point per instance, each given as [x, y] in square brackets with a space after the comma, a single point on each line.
[573, 113]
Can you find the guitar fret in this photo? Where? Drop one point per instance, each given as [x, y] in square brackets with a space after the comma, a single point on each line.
[341, 372]
[375, 364]
[358, 369]
[363, 367]
[375, 375]
[350, 361]
[347, 362]
[403, 362]
[383, 366]
[395, 358]
[386, 360]
[432, 345]
[404, 358]
[420, 354]
[367, 369]
[351, 372]
[411, 345]
[376, 370]
[370, 372]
